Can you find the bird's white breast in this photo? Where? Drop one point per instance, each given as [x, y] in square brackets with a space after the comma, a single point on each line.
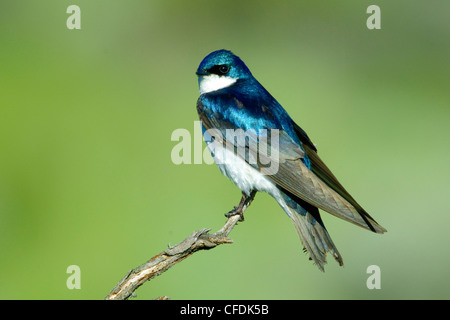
[244, 176]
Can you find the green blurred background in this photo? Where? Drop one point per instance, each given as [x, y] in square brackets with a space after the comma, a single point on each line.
[86, 117]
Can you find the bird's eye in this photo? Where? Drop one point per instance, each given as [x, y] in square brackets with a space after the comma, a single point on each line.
[219, 69]
[224, 69]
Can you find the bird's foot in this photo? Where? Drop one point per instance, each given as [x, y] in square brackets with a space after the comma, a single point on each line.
[236, 211]
[246, 200]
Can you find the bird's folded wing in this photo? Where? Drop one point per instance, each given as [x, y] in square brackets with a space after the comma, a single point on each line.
[294, 176]
[320, 169]
[317, 186]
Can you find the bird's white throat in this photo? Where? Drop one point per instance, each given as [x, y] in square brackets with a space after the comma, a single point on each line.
[213, 82]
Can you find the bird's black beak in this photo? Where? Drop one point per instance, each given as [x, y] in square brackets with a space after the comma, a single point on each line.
[201, 72]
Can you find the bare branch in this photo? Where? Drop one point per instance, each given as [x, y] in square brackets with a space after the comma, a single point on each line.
[199, 240]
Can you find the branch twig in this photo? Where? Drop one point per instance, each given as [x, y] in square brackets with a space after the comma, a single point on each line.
[199, 240]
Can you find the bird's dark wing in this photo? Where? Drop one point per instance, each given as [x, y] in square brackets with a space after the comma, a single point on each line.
[298, 179]
[319, 168]
[292, 173]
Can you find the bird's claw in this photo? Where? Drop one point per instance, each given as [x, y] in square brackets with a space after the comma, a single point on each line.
[234, 212]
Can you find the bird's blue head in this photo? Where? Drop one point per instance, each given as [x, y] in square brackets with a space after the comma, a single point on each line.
[220, 69]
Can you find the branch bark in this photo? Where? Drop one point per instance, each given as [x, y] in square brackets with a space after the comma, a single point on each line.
[199, 240]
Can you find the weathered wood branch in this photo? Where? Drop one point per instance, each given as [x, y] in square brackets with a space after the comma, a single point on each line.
[199, 240]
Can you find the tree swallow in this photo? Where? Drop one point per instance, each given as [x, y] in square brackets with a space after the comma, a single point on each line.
[232, 99]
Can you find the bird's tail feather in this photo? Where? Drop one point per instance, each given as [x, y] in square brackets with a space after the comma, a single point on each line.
[315, 238]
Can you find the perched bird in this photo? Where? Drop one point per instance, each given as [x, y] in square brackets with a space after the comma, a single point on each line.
[232, 99]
